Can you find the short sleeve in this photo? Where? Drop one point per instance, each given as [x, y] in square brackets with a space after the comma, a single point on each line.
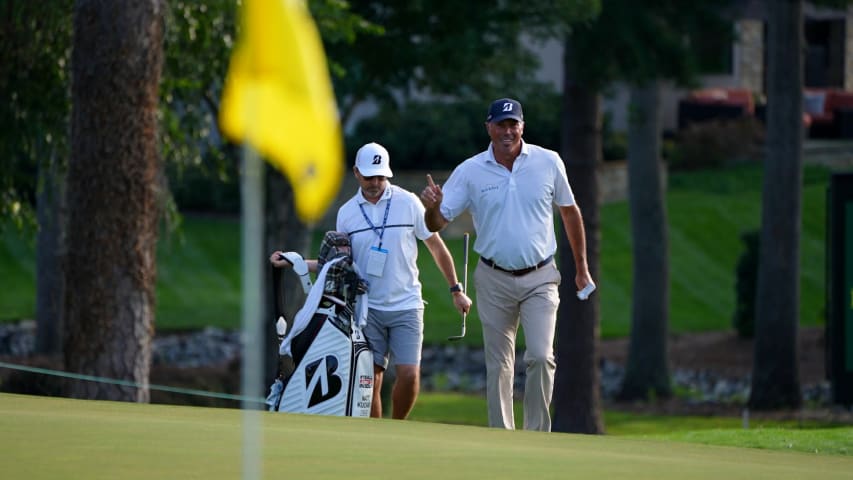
[455, 194]
[563, 195]
[418, 212]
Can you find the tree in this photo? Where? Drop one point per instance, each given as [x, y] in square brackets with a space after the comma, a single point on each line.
[35, 51]
[443, 50]
[661, 44]
[114, 194]
[577, 397]
[35, 47]
[775, 378]
[198, 41]
[637, 42]
[648, 365]
[50, 253]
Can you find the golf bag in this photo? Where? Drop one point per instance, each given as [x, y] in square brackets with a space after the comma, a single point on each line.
[325, 363]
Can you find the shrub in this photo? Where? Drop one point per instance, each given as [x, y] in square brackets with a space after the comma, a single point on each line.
[746, 278]
[716, 143]
[614, 145]
[423, 135]
[206, 187]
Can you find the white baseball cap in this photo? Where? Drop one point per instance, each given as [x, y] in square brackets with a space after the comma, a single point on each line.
[372, 160]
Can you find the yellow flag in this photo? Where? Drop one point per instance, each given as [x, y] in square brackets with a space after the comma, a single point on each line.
[278, 97]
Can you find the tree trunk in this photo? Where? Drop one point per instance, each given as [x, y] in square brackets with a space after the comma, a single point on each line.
[113, 203]
[577, 397]
[775, 378]
[647, 370]
[285, 232]
[50, 283]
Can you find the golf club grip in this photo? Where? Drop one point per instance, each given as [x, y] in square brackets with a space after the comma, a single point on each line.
[465, 263]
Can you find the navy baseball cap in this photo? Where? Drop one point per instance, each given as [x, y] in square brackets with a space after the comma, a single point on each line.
[504, 108]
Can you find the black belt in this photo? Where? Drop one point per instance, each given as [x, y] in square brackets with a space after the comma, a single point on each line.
[517, 273]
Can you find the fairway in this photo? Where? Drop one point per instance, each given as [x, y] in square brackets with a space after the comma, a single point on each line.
[46, 438]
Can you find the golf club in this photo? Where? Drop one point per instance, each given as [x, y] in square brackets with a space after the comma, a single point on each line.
[464, 286]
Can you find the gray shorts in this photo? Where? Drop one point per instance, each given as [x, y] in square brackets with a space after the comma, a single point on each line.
[398, 333]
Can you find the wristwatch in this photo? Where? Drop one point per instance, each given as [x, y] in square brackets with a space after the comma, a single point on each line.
[457, 288]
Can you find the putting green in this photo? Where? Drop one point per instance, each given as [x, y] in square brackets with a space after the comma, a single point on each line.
[42, 437]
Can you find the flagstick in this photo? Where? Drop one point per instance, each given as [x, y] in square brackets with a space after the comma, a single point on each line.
[252, 368]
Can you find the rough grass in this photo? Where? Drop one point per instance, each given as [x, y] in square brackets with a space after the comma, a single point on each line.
[808, 436]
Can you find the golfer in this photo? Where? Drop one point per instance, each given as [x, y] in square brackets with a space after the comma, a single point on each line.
[384, 222]
[510, 191]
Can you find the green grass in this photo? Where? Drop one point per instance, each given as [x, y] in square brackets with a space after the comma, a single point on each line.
[198, 275]
[61, 438]
[707, 213]
[833, 441]
[17, 275]
[809, 436]
[199, 285]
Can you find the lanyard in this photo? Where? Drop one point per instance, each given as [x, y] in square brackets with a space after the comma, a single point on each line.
[381, 231]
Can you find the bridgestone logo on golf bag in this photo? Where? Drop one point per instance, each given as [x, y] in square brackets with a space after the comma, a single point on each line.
[325, 364]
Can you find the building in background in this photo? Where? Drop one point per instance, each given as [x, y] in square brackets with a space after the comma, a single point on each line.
[741, 64]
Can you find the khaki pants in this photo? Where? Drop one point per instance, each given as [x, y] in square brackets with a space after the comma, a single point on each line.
[502, 301]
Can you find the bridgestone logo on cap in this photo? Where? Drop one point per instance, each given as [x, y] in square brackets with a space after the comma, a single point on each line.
[377, 159]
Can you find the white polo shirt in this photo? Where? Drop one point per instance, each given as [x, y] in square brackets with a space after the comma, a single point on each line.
[513, 212]
[399, 287]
